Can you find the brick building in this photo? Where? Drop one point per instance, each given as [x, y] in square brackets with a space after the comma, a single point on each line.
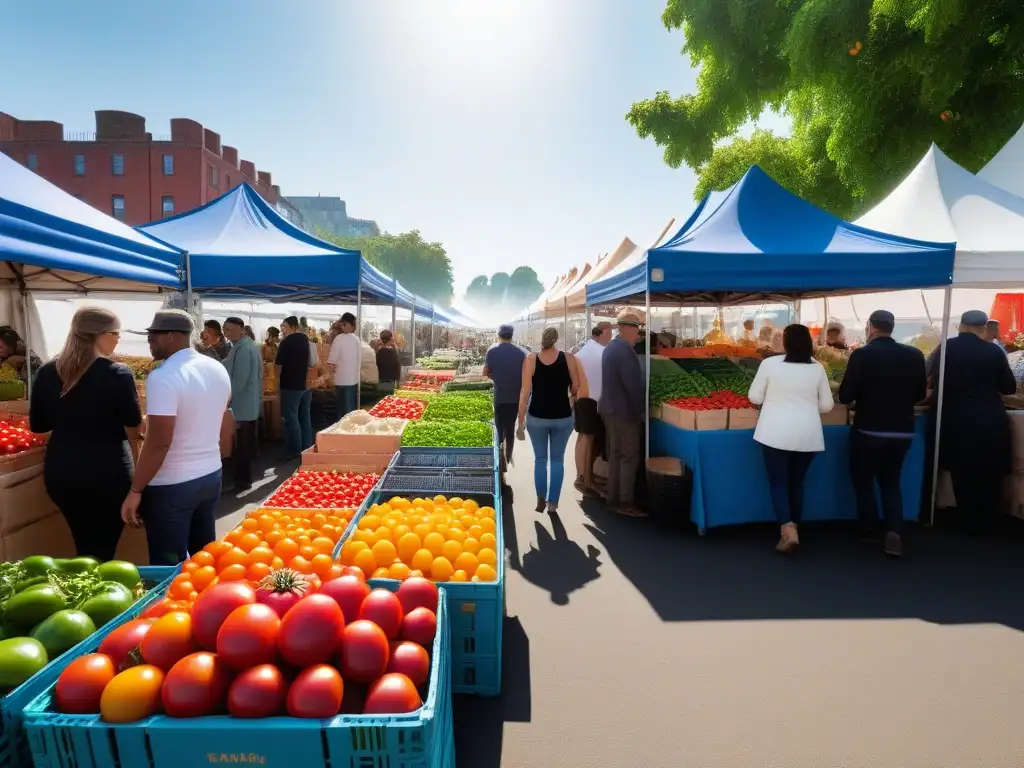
[124, 171]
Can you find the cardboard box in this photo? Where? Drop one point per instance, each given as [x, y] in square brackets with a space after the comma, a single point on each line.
[338, 442]
[23, 499]
[19, 461]
[678, 417]
[742, 418]
[839, 416]
[711, 420]
[48, 536]
[273, 427]
[15, 407]
[362, 463]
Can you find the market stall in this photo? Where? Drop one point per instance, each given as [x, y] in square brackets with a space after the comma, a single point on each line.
[756, 242]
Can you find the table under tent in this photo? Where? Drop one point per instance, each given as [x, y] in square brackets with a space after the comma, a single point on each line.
[756, 243]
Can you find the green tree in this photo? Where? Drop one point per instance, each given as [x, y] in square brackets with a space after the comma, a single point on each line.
[524, 286]
[420, 266]
[868, 85]
[502, 292]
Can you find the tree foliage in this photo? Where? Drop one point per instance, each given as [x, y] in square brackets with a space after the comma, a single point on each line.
[503, 292]
[420, 266]
[868, 84]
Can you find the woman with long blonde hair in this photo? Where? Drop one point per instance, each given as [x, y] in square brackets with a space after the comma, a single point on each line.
[89, 405]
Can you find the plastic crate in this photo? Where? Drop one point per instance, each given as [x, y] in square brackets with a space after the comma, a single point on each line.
[484, 450]
[477, 612]
[436, 481]
[14, 750]
[462, 462]
[421, 739]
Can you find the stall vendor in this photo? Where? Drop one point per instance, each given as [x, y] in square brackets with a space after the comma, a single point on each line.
[747, 336]
[835, 335]
[764, 335]
[270, 344]
[14, 354]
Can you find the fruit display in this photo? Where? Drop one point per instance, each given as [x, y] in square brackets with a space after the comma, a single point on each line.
[428, 381]
[448, 434]
[48, 606]
[413, 394]
[437, 363]
[11, 387]
[470, 384]
[365, 423]
[336, 491]
[15, 436]
[439, 538]
[392, 407]
[716, 401]
[460, 406]
[335, 648]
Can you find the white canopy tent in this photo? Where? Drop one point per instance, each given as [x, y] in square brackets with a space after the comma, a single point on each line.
[1006, 169]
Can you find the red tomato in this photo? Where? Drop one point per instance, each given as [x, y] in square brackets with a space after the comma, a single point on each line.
[419, 626]
[364, 651]
[348, 592]
[258, 692]
[132, 695]
[311, 631]
[323, 490]
[417, 592]
[81, 684]
[195, 686]
[168, 641]
[316, 692]
[383, 609]
[392, 694]
[125, 639]
[214, 605]
[410, 659]
[248, 636]
[157, 610]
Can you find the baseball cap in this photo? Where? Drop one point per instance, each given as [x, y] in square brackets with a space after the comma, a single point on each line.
[505, 330]
[169, 321]
[973, 317]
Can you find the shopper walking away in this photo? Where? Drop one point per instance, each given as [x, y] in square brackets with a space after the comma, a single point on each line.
[214, 343]
[90, 407]
[622, 404]
[590, 440]
[886, 380]
[549, 376]
[245, 369]
[975, 441]
[177, 481]
[293, 364]
[389, 367]
[344, 361]
[792, 391]
[503, 364]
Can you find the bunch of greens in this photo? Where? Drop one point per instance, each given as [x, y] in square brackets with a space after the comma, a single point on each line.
[415, 394]
[460, 406]
[470, 386]
[679, 384]
[448, 434]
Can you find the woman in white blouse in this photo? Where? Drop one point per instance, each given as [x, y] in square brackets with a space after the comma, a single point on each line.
[792, 391]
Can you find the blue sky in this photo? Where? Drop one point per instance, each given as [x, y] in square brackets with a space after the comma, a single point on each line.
[494, 126]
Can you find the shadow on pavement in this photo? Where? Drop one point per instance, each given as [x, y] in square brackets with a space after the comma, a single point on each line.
[734, 573]
[508, 527]
[557, 563]
[480, 722]
[270, 471]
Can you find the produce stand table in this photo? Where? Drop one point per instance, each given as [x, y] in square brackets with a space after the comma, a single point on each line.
[730, 486]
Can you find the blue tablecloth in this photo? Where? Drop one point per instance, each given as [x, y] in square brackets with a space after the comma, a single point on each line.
[730, 485]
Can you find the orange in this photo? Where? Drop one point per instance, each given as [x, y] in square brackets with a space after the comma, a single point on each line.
[233, 535]
[189, 565]
[323, 545]
[260, 554]
[286, 549]
[318, 519]
[451, 550]
[250, 524]
[307, 551]
[233, 556]
[488, 541]
[487, 557]
[398, 571]
[384, 551]
[459, 576]
[434, 542]
[466, 562]
[485, 573]
[408, 545]
[381, 573]
[441, 569]
[422, 560]
[203, 558]
[266, 523]
[218, 548]
[247, 542]
[235, 572]
[301, 564]
[273, 537]
[365, 561]
[322, 565]
[471, 545]
[277, 563]
[202, 577]
[257, 571]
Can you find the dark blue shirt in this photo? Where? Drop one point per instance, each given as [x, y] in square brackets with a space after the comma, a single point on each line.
[622, 382]
[504, 361]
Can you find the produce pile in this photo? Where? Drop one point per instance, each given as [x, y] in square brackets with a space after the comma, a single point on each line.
[365, 423]
[303, 652]
[11, 387]
[472, 384]
[140, 366]
[15, 437]
[393, 407]
[716, 401]
[428, 381]
[448, 434]
[48, 606]
[436, 363]
[441, 539]
[703, 380]
[413, 394]
[336, 491]
[460, 406]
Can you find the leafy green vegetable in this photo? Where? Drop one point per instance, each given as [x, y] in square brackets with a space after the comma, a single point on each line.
[448, 434]
[460, 406]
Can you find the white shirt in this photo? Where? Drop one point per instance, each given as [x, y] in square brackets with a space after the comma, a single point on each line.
[195, 389]
[314, 357]
[344, 356]
[590, 357]
[792, 396]
[368, 369]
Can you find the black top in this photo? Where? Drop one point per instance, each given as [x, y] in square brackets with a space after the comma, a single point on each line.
[550, 393]
[389, 367]
[293, 357]
[88, 445]
[977, 374]
[886, 380]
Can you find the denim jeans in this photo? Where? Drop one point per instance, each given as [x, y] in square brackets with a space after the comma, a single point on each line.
[346, 397]
[786, 472]
[549, 438]
[298, 428]
[179, 518]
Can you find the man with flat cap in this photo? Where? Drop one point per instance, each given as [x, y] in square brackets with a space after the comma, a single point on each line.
[504, 366]
[886, 380]
[975, 440]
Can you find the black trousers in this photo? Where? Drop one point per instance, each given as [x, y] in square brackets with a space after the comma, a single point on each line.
[245, 452]
[878, 460]
[978, 489]
[505, 420]
[93, 514]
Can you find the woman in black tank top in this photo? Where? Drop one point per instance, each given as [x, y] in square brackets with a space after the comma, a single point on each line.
[545, 409]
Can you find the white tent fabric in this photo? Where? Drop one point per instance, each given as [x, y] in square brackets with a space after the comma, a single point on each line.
[556, 305]
[1006, 169]
[940, 201]
[576, 297]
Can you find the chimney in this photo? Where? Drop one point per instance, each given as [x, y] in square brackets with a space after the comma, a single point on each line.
[248, 170]
[230, 155]
[185, 131]
[211, 140]
[114, 125]
[264, 178]
[39, 130]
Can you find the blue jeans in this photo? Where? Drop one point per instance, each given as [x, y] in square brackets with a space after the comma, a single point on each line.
[549, 438]
[179, 518]
[346, 397]
[786, 472]
[298, 428]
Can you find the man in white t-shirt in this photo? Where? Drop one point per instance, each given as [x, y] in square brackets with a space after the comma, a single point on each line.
[590, 442]
[178, 477]
[344, 361]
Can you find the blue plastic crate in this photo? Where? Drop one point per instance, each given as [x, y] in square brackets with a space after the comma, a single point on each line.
[461, 462]
[477, 612]
[421, 480]
[421, 739]
[491, 450]
[14, 750]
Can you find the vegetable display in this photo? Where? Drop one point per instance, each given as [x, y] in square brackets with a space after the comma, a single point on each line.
[15, 437]
[392, 407]
[721, 400]
[448, 434]
[48, 606]
[441, 539]
[323, 490]
[697, 378]
[338, 648]
[465, 406]
[365, 423]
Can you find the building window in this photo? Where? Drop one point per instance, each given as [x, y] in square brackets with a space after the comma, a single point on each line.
[214, 180]
[117, 207]
[167, 205]
[117, 165]
[227, 181]
[33, 161]
[79, 165]
[168, 165]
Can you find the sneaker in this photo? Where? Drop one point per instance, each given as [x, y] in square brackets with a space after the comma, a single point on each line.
[893, 545]
[542, 504]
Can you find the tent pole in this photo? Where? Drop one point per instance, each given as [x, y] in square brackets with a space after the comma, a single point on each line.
[412, 340]
[394, 316]
[940, 392]
[647, 374]
[430, 347]
[359, 335]
[188, 283]
[28, 340]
